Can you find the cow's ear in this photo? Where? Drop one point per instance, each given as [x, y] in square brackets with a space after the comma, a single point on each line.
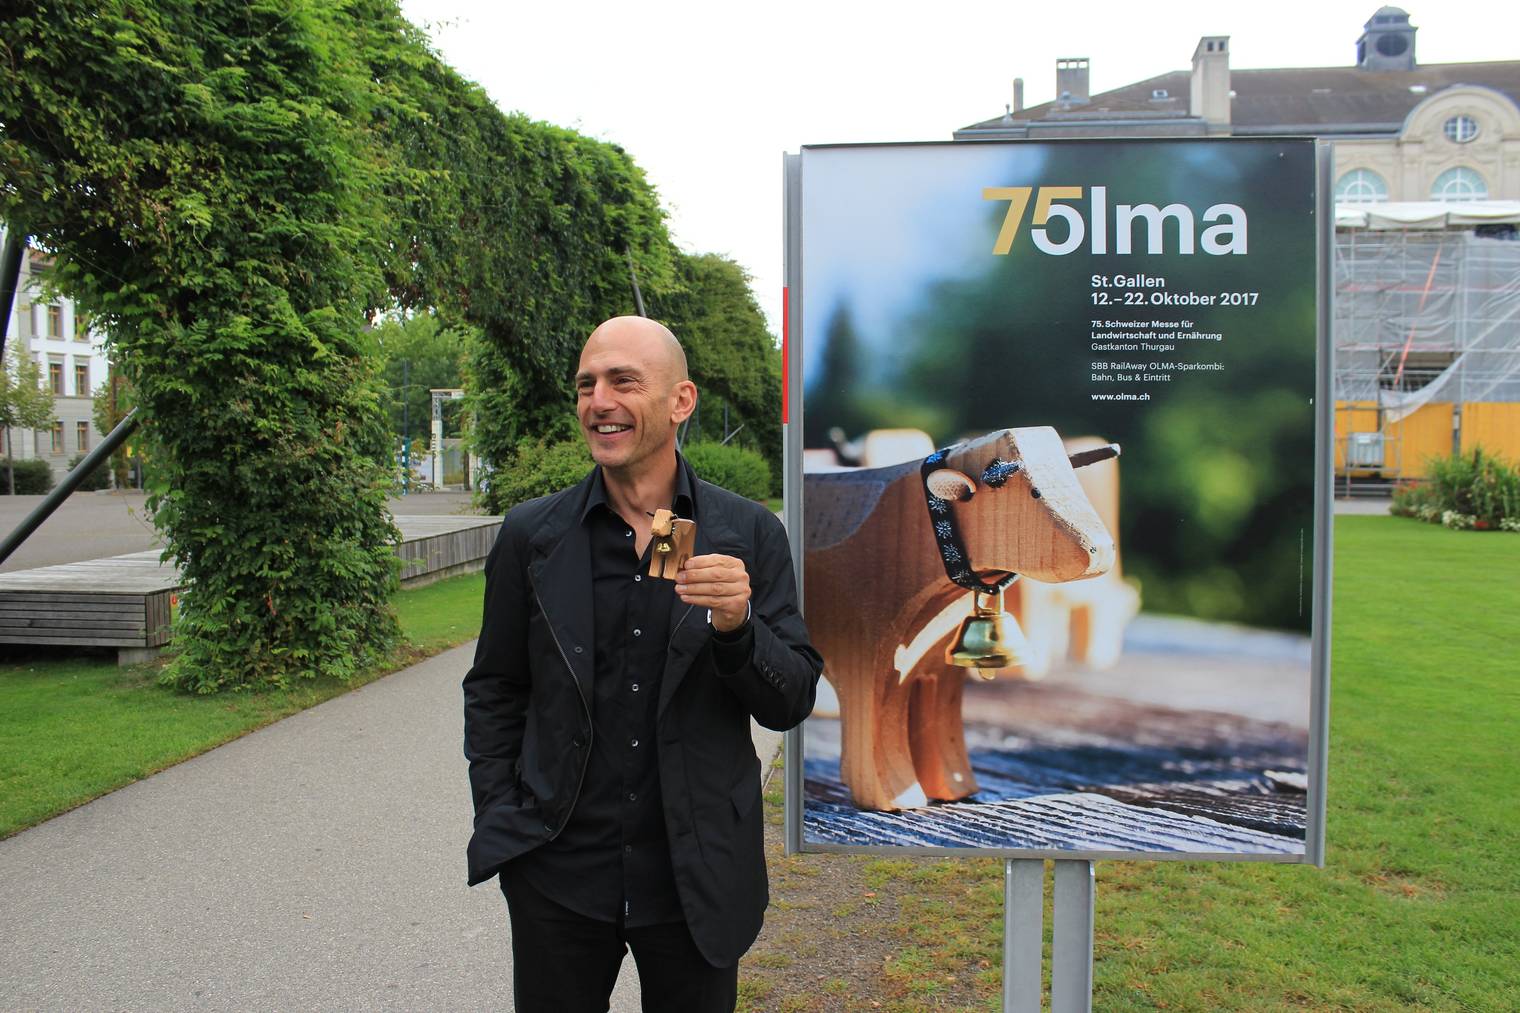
[947, 483]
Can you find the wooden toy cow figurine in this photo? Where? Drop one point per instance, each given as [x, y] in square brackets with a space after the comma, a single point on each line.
[890, 552]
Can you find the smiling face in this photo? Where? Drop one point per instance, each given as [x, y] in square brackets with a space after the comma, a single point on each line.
[631, 392]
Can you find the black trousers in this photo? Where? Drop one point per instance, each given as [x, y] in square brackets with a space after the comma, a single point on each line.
[564, 962]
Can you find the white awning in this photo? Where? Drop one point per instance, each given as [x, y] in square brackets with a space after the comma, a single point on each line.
[1427, 214]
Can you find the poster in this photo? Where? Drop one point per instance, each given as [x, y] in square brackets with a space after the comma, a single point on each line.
[1063, 548]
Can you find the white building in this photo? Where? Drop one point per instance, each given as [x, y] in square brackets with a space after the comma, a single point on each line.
[72, 359]
[1402, 131]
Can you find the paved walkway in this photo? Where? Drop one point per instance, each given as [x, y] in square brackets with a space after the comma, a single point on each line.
[1368, 505]
[316, 864]
[94, 525]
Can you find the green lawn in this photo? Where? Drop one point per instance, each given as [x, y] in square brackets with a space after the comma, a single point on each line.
[1418, 906]
[74, 728]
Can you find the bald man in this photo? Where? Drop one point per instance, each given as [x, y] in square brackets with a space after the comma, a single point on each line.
[607, 715]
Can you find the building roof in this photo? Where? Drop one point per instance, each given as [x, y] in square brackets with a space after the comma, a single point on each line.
[1319, 100]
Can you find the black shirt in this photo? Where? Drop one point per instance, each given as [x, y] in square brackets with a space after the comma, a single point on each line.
[612, 859]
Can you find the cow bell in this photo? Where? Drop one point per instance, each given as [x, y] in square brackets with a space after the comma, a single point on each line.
[989, 638]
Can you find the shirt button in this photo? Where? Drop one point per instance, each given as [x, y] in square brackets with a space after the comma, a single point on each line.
[633, 796]
[577, 650]
[634, 743]
[638, 577]
[635, 687]
[638, 633]
[628, 533]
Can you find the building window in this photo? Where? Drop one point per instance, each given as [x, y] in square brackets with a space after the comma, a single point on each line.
[1361, 186]
[1460, 183]
[82, 378]
[58, 436]
[1461, 129]
[82, 432]
[55, 320]
[55, 377]
[81, 326]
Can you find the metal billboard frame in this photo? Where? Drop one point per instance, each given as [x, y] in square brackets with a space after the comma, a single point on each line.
[793, 342]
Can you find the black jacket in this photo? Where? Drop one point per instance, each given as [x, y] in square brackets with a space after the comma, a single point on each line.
[527, 727]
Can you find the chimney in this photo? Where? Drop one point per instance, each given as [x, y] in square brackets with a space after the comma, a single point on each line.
[1387, 41]
[1210, 94]
[1018, 94]
[1071, 80]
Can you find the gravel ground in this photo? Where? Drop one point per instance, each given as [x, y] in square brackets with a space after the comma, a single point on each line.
[845, 932]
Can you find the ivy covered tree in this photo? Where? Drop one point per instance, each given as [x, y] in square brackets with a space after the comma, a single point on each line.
[231, 189]
[526, 231]
[731, 354]
[206, 177]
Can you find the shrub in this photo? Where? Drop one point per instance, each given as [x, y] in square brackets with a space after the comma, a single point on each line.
[99, 479]
[33, 477]
[1476, 485]
[1414, 499]
[736, 469]
[537, 468]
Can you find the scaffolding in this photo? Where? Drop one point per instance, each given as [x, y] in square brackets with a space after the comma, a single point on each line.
[1423, 320]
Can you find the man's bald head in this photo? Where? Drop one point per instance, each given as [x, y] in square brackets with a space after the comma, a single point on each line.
[650, 340]
[632, 393]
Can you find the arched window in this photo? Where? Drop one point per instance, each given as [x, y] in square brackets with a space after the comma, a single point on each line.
[1460, 129]
[1460, 183]
[1361, 186]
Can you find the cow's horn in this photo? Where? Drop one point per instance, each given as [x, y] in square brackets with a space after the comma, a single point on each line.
[947, 483]
[1086, 457]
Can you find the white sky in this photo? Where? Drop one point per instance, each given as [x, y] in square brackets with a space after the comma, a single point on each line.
[706, 96]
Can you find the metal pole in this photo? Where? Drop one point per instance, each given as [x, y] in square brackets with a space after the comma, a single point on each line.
[406, 426]
[1023, 926]
[82, 470]
[437, 441]
[1071, 939]
[10, 273]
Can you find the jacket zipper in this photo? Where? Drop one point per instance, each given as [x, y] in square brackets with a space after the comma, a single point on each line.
[579, 695]
[675, 627]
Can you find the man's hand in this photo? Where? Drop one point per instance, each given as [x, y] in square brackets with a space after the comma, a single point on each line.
[717, 582]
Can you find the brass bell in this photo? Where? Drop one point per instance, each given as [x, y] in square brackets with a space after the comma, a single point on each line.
[663, 545]
[989, 638]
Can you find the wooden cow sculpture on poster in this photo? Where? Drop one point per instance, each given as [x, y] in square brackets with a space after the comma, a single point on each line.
[878, 579]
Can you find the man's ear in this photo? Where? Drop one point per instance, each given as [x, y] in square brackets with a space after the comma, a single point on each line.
[683, 401]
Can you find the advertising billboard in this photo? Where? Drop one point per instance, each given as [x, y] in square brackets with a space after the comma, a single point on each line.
[1062, 413]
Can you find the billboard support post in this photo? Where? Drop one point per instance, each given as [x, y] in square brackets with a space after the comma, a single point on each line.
[1023, 927]
[1071, 938]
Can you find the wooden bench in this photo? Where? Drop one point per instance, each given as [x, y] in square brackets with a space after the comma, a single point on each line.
[124, 601]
